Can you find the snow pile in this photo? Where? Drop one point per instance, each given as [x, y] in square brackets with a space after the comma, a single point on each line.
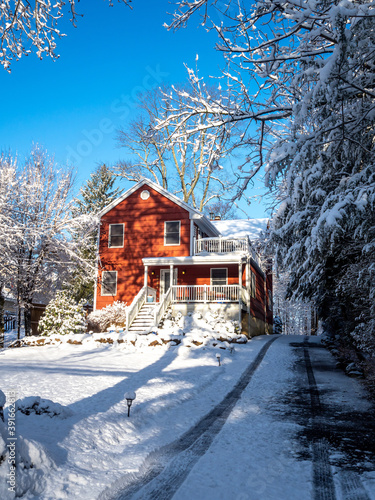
[208, 330]
[31, 462]
[39, 406]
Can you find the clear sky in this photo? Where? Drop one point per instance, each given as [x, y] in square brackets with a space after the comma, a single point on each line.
[74, 105]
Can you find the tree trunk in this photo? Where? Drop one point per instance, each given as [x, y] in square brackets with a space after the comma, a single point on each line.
[27, 320]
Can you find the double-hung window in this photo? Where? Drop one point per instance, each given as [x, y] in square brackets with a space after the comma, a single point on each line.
[172, 231]
[109, 283]
[116, 236]
[219, 276]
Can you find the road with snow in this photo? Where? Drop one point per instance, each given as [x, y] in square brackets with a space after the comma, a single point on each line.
[292, 427]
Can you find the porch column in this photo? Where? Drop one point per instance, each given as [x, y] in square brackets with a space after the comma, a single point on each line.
[240, 293]
[145, 281]
[171, 277]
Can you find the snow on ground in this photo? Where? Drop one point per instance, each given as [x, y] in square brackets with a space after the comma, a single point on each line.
[83, 441]
[74, 428]
[241, 227]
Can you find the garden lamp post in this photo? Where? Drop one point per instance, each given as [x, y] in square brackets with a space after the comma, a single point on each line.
[129, 396]
[218, 358]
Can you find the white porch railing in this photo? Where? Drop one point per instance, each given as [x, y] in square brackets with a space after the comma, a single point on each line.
[221, 245]
[165, 302]
[135, 306]
[205, 293]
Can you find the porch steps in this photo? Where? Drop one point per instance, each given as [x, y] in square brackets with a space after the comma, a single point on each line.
[144, 319]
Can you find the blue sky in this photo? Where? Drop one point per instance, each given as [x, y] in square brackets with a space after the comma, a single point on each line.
[74, 105]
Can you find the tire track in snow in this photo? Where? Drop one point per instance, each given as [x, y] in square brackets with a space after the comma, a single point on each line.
[324, 488]
[159, 477]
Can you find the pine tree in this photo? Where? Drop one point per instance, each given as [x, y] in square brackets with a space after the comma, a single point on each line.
[98, 192]
[63, 316]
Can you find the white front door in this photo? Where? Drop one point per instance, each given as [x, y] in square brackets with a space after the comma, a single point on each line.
[165, 280]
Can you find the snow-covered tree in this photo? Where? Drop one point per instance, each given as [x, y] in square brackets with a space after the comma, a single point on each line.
[98, 192]
[189, 165]
[36, 226]
[26, 26]
[63, 316]
[304, 72]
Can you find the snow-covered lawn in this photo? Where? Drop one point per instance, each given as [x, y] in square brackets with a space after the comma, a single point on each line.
[92, 442]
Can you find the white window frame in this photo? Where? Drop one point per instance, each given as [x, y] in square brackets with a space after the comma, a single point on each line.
[221, 269]
[179, 234]
[101, 287]
[123, 234]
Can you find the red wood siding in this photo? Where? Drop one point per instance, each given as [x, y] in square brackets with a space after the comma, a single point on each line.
[144, 237]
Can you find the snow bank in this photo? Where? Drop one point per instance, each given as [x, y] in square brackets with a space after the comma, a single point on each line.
[32, 464]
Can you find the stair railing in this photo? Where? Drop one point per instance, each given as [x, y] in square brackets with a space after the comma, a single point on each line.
[163, 306]
[135, 306]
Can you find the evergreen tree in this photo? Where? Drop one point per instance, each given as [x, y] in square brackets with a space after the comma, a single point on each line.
[63, 316]
[98, 192]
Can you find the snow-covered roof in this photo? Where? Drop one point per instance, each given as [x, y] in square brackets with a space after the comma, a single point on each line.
[238, 228]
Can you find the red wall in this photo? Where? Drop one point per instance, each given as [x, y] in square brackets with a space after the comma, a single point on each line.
[144, 237]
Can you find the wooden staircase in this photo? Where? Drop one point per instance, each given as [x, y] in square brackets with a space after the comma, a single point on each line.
[144, 319]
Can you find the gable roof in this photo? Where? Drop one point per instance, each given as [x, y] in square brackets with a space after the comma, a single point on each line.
[200, 219]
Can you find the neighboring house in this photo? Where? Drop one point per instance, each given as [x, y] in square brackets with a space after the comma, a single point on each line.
[155, 251]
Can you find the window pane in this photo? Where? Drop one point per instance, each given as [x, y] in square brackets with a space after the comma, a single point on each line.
[219, 277]
[172, 227]
[116, 235]
[109, 283]
[172, 238]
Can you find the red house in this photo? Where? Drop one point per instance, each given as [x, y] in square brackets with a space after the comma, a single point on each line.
[155, 252]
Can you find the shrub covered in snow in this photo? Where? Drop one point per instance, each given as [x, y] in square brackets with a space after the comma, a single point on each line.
[113, 314]
[63, 316]
[40, 406]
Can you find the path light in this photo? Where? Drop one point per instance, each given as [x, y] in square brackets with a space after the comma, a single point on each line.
[130, 396]
[218, 358]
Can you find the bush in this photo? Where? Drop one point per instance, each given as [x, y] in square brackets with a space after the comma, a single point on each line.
[63, 316]
[113, 314]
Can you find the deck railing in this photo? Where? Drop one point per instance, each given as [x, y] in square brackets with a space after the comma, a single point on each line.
[165, 302]
[221, 245]
[135, 306]
[205, 293]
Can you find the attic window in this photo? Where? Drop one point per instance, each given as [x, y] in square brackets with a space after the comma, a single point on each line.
[145, 195]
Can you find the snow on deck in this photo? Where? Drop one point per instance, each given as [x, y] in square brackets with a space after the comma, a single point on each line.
[238, 228]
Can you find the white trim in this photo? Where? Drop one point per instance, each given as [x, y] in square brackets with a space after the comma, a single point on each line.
[226, 277]
[101, 285]
[191, 237]
[193, 260]
[123, 234]
[179, 234]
